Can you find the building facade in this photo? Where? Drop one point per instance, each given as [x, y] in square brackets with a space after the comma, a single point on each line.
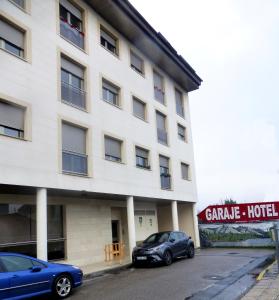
[95, 135]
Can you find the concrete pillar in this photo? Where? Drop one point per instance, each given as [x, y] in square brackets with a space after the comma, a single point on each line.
[174, 214]
[41, 210]
[196, 226]
[131, 224]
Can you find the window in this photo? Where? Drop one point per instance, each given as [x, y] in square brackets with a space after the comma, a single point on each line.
[162, 134]
[11, 120]
[185, 172]
[20, 3]
[16, 263]
[139, 108]
[74, 158]
[109, 41]
[11, 39]
[18, 222]
[165, 172]
[72, 83]
[137, 63]
[179, 103]
[113, 149]
[142, 160]
[181, 132]
[110, 93]
[71, 26]
[159, 88]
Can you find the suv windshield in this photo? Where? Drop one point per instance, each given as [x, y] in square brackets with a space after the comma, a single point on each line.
[158, 238]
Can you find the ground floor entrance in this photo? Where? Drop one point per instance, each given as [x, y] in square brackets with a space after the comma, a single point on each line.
[75, 228]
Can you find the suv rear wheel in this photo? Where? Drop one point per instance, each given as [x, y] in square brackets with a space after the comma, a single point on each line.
[167, 258]
[191, 251]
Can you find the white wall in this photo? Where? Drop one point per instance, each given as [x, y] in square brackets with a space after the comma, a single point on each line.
[36, 162]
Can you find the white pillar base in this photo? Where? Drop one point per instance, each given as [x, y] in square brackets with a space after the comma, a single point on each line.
[196, 226]
[131, 224]
[174, 213]
[41, 221]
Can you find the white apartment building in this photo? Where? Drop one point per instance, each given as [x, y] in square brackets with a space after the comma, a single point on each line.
[95, 133]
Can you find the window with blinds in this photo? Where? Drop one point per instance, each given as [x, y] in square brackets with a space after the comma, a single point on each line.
[113, 149]
[162, 134]
[11, 120]
[137, 63]
[72, 83]
[110, 93]
[164, 172]
[139, 108]
[142, 158]
[71, 25]
[108, 41]
[179, 103]
[20, 3]
[11, 38]
[74, 158]
[181, 132]
[159, 92]
[185, 171]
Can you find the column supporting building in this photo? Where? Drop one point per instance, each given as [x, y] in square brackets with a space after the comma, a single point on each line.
[41, 222]
[196, 225]
[131, 224]
[174, 213]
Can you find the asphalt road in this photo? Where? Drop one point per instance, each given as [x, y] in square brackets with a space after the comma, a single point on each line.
[182, 279]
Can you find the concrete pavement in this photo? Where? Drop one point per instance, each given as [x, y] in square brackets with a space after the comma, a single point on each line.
[198, 278]
[267, 288]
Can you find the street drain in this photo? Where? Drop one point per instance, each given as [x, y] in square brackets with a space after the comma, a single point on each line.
[213, 277]
[233, 253]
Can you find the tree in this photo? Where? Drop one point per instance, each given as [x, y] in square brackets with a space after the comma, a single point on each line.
[228, 201]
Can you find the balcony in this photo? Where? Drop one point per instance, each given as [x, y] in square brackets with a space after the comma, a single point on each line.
[74, 163]
[72, 34]
[162, 136]
[165, 181]
[73, 95]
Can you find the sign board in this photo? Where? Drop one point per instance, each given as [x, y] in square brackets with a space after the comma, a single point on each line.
[245, 212]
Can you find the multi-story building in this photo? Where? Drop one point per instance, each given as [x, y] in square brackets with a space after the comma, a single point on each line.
[95, 135]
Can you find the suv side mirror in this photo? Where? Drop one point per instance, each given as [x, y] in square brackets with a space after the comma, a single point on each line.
[36, 269]
[190, 237]
[172, 240]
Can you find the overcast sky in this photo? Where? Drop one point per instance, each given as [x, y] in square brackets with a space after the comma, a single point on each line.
[234, 47]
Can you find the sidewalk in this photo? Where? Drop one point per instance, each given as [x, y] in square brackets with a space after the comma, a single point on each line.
[267, 288]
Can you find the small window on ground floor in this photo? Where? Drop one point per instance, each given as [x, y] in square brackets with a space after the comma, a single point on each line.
[18, 230]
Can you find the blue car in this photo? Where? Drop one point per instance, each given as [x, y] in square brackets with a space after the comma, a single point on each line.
[23, 277]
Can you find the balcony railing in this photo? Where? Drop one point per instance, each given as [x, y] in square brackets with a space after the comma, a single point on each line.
[162, 136]
[74, 162]
[73, 95]
[165, 182]
[71, 34]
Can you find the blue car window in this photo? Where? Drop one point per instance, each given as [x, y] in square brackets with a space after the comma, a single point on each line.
[16, 263]
[36, 263]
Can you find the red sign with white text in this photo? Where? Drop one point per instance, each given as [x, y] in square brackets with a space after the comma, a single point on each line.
[246, 212]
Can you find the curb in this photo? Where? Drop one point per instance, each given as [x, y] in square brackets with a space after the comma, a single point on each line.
[100, 273]
[263, 272]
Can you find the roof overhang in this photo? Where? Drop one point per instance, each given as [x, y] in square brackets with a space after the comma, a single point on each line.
[130, 23]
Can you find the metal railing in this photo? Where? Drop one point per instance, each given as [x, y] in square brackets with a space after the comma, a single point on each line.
[74, 162]
[165, 182]
[73, 95]
[71, 34]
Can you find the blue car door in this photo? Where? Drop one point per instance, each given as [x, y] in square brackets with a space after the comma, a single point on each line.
[175, 247]
[5, 280]
[24, 279]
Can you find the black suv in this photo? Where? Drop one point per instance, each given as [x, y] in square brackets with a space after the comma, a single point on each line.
[163, 247]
